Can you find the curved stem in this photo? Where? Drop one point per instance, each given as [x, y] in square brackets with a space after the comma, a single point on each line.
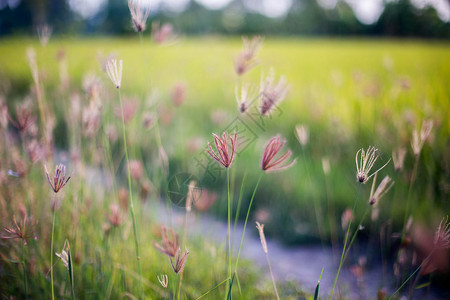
[245, 223]
[355, 234]
[136, 240]
[273, 278]
[410, 276]
[51, 251]
[24, 271]
[229, 223]
[345, 243]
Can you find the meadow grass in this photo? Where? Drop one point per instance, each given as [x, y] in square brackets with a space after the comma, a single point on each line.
[349, 93]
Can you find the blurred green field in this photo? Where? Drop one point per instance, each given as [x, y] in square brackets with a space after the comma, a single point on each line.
[349, 93]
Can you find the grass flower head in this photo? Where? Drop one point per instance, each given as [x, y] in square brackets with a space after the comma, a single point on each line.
[170, 246]
[58, 180]
[418, 140]
[442, 235]
[22, 230]
[163, 280]
[247, 95]
[384, 187]
[273, 147]
[246, 60]
[139, 14]
[224, 156]
[180, 261]
[365, 163]
[114, 71]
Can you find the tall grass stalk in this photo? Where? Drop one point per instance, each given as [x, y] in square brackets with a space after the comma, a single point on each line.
[316, 206]
[229, 227]
[51, 249]
[273, 277]
[345, 243]
[355, 234]
[245, 223]
[238, 207]
[136, 239]
[25, 285]
[408, 199]
[410, 276]
[209, 291]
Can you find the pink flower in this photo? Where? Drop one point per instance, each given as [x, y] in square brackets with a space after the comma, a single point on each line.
[269, 163]
[223, 157]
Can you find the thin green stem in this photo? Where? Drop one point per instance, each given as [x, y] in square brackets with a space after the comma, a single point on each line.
[345, 243]
[410, 276]
[245, 223]
[203, 295]
[355, 234]
[317, 209]
[24, 270]
[273, 278]
[408, 199]
[51, 250]
[229, 223]
[180, 282]
[238, 208]
[136, 240]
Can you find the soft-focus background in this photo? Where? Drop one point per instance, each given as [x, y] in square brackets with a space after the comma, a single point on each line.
[360, 73]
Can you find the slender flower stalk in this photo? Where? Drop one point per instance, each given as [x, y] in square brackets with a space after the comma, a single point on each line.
[417, 142]
[57, 182]
[114, 72]
[164, 281]
[341, 262]
[225, 157]
[267, 164]
[260, 228]
[245, 222]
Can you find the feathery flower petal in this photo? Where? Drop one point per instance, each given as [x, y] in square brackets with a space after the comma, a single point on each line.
[273, 147]
[223, 155]
[58, 181]
[114, 71]
[365, 163]
[139, 14]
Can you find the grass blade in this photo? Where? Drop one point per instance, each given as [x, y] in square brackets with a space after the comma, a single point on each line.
[69, 254]
[316, 293]
[209, 291]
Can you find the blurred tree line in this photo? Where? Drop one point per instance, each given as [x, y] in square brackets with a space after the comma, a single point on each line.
[305, 17]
